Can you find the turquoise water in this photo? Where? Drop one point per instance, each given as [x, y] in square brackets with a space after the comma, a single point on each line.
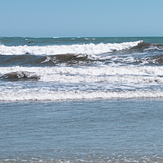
[16, 41]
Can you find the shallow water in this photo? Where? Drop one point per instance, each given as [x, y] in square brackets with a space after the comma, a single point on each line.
[82, 131]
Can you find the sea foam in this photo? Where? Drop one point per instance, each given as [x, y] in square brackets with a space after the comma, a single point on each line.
[90, 49]
[96, 71]
[70, 83]
[75, 95]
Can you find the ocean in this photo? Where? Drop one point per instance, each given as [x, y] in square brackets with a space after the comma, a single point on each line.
[81, 99]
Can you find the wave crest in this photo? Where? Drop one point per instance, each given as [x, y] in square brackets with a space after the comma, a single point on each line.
[89, 49]
[20, 75]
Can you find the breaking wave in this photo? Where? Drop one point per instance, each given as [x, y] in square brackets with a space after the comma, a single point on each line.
[86, 54]
[29, 95]
[68, 83]
[80, 59]
[20, 75]
[89, 49]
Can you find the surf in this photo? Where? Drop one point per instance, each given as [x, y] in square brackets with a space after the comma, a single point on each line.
[90, 49]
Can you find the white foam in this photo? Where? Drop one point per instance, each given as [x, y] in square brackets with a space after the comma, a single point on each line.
[75, 95]
[90, 71]
[90, 49]
[101, 79]
[107, 78]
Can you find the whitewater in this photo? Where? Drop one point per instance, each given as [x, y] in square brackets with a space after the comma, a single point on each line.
[80, 100]
[81, 70]
[66, 49]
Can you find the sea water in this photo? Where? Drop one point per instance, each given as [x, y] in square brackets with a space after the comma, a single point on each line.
[81, 99]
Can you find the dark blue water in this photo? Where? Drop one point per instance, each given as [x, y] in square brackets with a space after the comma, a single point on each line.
[82, 131]
[19, 41]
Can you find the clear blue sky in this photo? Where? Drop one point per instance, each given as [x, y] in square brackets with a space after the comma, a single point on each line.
[87, 18]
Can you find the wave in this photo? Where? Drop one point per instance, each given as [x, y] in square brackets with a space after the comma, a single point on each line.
[20, 75]
[89, 49]
[61, 78]
[138, 75]
[52, 60]
[75, 95]
[68, 59]
[127, 70]
[83, 55]
[156, 60]
[79, 60]
[70, 83]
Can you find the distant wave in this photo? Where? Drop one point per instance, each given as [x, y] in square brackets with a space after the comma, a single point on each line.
[89, 49]
[78, 60]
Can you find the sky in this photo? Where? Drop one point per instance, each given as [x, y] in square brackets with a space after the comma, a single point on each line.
[81, 18]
